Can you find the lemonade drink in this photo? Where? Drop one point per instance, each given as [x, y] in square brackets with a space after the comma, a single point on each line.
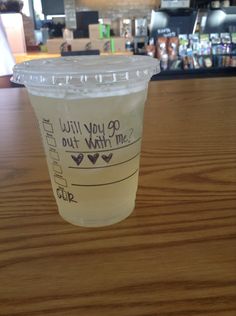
[92, 140]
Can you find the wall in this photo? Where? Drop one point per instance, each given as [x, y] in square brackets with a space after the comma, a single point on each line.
[119, 8]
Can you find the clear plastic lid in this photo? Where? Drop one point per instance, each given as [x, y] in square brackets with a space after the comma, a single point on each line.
[86, 74]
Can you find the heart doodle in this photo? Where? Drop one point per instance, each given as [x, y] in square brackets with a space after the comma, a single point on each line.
[78, 159]
[107, 158]
[93, 158]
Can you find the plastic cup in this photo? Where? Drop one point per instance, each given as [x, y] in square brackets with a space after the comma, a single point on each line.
[90, 114]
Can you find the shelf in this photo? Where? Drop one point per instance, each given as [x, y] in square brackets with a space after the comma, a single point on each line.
[195, 73]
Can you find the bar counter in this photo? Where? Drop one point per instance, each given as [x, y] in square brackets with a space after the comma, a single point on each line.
[174, 256]
[19, 58]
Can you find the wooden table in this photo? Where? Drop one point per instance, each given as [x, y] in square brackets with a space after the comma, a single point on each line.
[174, 256]
[19, 58]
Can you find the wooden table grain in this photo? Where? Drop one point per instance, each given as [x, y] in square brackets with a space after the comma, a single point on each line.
[174, 256]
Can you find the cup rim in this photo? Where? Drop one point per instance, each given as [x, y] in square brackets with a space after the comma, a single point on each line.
[85, 72]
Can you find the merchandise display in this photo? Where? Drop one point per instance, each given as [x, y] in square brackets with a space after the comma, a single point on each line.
[196, 51]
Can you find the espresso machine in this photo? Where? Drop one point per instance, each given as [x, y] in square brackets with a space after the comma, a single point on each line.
[141, 35]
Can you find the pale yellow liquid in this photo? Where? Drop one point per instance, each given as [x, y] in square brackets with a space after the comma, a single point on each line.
[104, 191]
